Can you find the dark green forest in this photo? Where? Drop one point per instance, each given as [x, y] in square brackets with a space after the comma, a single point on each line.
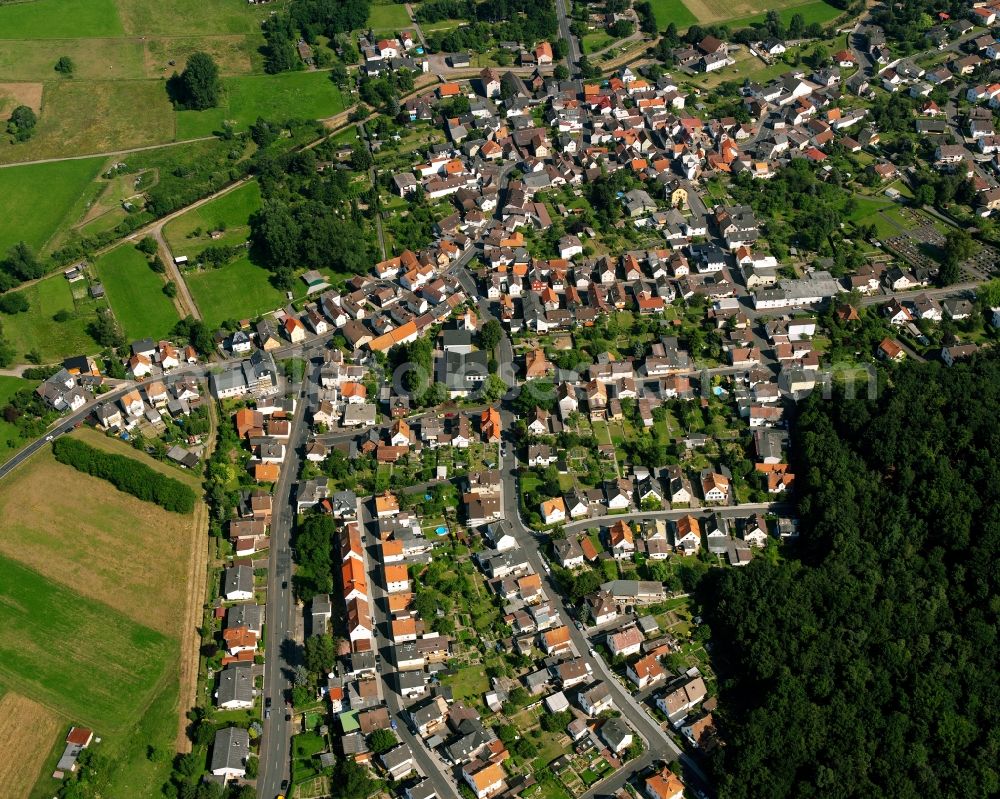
[867, 663]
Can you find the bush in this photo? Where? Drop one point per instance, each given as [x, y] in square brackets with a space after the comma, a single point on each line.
[126, 474]
[13, 302]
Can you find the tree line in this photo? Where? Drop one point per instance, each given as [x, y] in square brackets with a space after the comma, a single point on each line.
[126, 474]
[867, 665]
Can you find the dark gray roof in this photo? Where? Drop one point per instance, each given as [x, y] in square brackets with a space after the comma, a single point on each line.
[235, 684]
[231, 748]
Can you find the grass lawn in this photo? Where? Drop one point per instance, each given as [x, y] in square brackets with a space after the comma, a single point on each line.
[36, 199]
[93, 59]
[236, 54]
[125, 59]
[230, 213]
[307, 744]
[85, 117]
[37, 330]
[119, 670]
[108, 665]
[866, 206]
[60, 19]
[190, 17]
[236, 291]
[302, 95]
[442, 25]
[388, 18]
[813, 11]
[469, 682]
[667, 11]
[598, 40]
[136, 293]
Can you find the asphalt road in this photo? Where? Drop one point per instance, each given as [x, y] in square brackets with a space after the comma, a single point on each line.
[63, 425]
[573, 56]
[279, 616]
[728, 511]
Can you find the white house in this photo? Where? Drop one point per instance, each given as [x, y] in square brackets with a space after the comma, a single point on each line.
[569, 246]
[553, 510]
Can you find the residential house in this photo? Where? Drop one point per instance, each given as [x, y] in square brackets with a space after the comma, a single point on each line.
[230, 752]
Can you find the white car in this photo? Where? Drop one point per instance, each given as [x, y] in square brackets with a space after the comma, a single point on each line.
[48, 438]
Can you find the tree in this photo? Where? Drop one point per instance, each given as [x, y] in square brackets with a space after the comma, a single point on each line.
[147, 245]
[13, 302]
[988, 294]
[382, 741]
[958, 247]
[199, 83]
[490, 335]
[361, 158]
[301, 695]
[561, 72]
[105, 330]
[556, 722]
[65, 66]
[353, 780]
[321, 652]
[170, 289]
[263, 133]
[818, 57]
[22, 123]
[493, 389]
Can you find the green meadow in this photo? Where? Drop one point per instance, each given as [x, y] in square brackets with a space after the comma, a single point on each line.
[298, 95]
[36, 199]
[136, 293]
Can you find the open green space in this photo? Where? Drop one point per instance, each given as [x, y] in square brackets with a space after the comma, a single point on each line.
[290, 95]
[191, 17]
[189, 233]
[93, 59]
[236, 54]
[125, 58]
[35, 199]
[442, 25]
[136, 293]
[85, 117]
[80, 656]
[468, 683]
[667, 11]
[388, 18]
[60, 19]
[815, 11]
[38, 330]
[236, 291]
[598, 40]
